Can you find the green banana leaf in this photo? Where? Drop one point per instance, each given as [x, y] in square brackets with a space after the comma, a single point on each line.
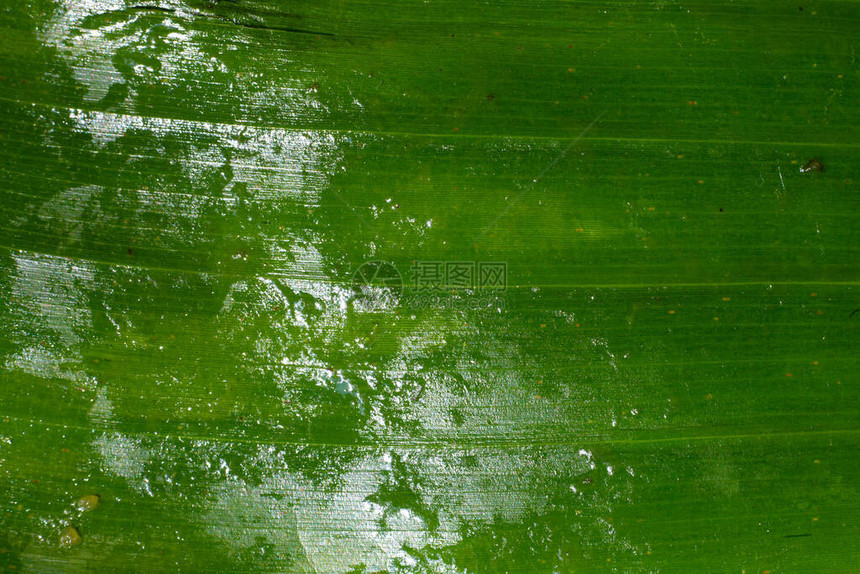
[449, 286]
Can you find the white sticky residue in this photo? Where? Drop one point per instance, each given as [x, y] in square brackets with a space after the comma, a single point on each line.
[352, 534]
[49, 364]
[242, 517]
[48, 289]
[99, 73]
[125, 457]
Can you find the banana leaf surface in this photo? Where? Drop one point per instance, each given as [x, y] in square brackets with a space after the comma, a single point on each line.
[448, 286]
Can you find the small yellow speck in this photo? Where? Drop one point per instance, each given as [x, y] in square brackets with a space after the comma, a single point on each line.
[816, 461]
[710, 396]
[680, 157]
[815, 362]
[716, 318]
[70, 536]
[88, 502]
[671, 311]
[815, 519]
[543, 325]
[700, 181]
[727, 298]
[813, 294]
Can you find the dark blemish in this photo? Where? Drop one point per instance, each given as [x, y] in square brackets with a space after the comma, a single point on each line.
[812, 165]
[278, 28]
[491, 97]
[800, 8]
[258, 26]
[150, 7]
[416, 394]
[275, 495]
[797, 535]
[587, 481]
[721, 210]
[852, 313]
[129, 251]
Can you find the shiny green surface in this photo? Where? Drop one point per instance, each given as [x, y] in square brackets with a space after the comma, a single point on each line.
[668, 383]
